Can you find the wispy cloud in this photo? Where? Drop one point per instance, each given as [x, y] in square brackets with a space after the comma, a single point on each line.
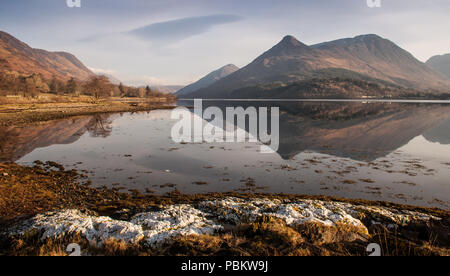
[102, 71]
[144, 80]
[176, 30]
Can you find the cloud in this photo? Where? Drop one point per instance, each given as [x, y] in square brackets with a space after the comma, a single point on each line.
[134, 80]
[102, 71]
[144, 80]
[180, 29]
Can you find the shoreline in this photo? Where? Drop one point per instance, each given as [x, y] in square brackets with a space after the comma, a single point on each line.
[28, 194]
[357, 100]
[46, 207]
[22, 114]
[50, 177]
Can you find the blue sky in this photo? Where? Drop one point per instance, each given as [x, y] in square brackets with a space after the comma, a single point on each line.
[178, 41]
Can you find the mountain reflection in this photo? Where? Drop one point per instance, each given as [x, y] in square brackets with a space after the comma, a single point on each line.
[16, 142]
[360, 131]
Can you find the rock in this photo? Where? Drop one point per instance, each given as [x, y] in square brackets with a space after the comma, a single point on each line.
[322, 221]
[155, 228]
[96, 230]
[176, 220]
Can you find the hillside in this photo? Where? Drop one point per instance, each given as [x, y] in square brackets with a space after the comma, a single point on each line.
[366, 57]
[208, 79]
[441, 64]
[168, 89]
[16, 56]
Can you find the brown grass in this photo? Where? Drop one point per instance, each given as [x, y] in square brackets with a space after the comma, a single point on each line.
[26, 191]
[271, 237]
[25, 113]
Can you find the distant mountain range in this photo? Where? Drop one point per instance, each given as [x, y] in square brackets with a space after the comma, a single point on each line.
[366, 63]
[208, 79]
[16, 56]
[440, 64]
[111, 78]
[169, 89]
[363, 66]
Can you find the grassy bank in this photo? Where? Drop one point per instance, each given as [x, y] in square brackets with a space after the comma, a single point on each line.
[27, 191]
[16, 111]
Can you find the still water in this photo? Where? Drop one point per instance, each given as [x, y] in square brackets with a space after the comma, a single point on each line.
[390, 151]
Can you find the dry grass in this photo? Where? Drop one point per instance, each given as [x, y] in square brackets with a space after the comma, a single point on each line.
[45, 99]
[394, 244]
[271, 237]
[33, 246]
[25, 113]
[24, 194]
[26, 191]
[266, 237]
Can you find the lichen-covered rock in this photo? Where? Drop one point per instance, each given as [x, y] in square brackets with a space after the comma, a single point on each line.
[96, 230]
[390, 217]
[237, 211]
[156, 228]
[176, 220]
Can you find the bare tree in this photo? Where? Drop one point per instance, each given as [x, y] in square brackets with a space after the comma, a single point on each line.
[71, 87]
[98, 87]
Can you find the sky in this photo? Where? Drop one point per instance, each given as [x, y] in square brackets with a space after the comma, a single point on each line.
[176, 42]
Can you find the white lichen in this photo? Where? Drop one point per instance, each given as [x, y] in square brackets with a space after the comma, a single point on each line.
[208, 217]
[96, 230]
[237, 211]
[173, 221]
[154, 228]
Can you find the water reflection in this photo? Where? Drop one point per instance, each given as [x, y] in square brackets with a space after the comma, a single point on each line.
[100, 126]
[394, 152]
[361, 131]
[16, 142]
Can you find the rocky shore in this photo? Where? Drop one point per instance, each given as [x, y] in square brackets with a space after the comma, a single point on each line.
[58, 211]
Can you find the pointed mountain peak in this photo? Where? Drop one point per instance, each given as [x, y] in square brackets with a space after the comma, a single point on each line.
[288, 46]
[291, 40]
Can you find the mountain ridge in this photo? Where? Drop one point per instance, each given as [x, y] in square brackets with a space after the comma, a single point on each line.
[208, 79]
[17, 56]
[292, 61]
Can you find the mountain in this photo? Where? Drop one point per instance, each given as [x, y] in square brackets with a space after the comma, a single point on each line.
[368, 57]
[17, 56]
[208, 79]
[169, 89]
[111, 78]
[440, 64]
